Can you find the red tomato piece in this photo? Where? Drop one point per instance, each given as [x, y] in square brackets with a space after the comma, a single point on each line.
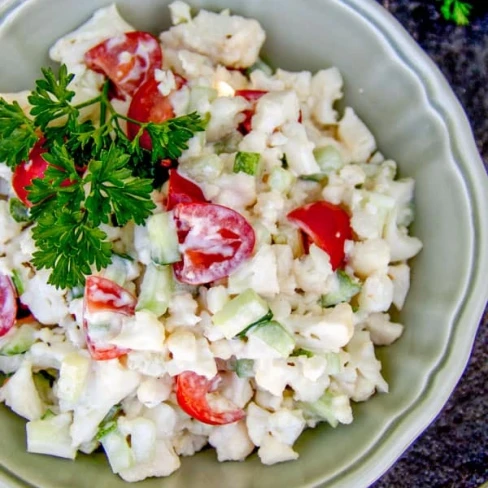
[26, 171]
[327, 225]
[127, 59]
[103, 295]
[193, 393]
[252, 96]
[148, 105]
[8, 304]
[182, 190]
[214, 241]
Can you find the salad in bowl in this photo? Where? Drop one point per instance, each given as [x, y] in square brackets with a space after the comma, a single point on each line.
[197, 248]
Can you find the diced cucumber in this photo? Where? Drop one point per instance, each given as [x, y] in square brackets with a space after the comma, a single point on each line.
[302, 352]
[73, 375]
[156, 289]
[163, 238]
[247, 162]
[244, 368]
[261, 65]
[321, 409]
[200, 99]
[280, 179]
[207, 167]
[346, 288]
[51, 436]
[118, 451]
[44, 382]
[334, 365]
[17, 281]
[116, 271]
[109, 422]
[275, 336]
[239, 313]
[20, 342]
[18, 211]
[316, 178]
[76, 292]
[229, 144]
[328, 158]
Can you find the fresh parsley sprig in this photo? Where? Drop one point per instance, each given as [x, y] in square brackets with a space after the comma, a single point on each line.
[96, 174]
[457, 11]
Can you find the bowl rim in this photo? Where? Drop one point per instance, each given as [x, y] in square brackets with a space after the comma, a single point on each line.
[422, 410]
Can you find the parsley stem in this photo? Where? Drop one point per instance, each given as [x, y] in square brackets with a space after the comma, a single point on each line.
[88, 102]
[103, 103]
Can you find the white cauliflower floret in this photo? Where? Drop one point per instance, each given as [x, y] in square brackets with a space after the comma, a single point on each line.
[255, 141]
[356, 136]
[298, 81]
[231, 441]
[402, 245]
[236, 191]
[275, 109]
[147, 363]
[400, 276]
[153, 391]
[216, 298]
[259, 273]
[46, 302]
[190, 354]
[163, 463]
[376, 294]
[299, 150]
[227, 39]
[273, 451]
[237, 390]
[286, 277]
[182, 311]
[325, 88]
[44, 355]
[267, 400]
[165, 419]
[273, 374]
[141, 332]
[322, 333]
[368, 257]
[187, 444]
[10, 228]
[383, 332]
[71, 48]
[142, 432]
[312, 271]
[224, 117]
[180, 12]
[257, 420]
[263, 81]
[286, 425]
[269, 208]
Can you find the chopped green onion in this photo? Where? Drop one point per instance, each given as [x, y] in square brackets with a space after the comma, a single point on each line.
[247, 162]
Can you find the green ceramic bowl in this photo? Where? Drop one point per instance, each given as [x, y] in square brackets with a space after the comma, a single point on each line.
[418, 122]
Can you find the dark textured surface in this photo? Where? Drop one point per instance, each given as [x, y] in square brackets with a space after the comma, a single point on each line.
[453, 451]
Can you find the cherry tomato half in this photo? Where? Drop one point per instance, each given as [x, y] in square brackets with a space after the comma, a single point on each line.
[26, 171]
[8, 304]
[193, 393]
[214, 241]
[148, 105]
[327, 225]
[181, 190]
[103, 295]
[252, 96]
[127, 59]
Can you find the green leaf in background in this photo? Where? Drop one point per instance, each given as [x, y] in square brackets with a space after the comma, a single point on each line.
[457, 11]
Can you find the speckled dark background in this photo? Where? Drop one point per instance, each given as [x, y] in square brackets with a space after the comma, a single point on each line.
[453, 451]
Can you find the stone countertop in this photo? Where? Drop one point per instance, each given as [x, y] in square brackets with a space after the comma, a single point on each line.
[453, 451]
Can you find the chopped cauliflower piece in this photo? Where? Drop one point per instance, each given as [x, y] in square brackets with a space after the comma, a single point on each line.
[231, 441]
[273, 451]
[227, 39]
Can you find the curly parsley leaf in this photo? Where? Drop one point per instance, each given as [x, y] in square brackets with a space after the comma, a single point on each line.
[17, 133]
[51, 98]
[113, 190]
[457, 11]
[170, 138]
[68, 245]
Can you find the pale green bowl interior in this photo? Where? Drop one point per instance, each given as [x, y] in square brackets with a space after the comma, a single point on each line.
[417, 122]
